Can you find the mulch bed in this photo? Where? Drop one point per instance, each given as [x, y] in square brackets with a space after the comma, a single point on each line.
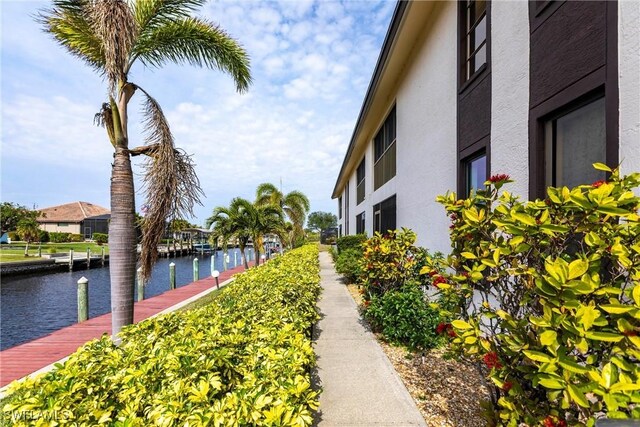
[447, 392]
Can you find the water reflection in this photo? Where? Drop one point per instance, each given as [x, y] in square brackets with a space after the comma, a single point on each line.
[32, 306]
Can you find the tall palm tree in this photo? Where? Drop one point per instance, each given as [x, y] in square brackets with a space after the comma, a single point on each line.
[295, 205]
[112, 36]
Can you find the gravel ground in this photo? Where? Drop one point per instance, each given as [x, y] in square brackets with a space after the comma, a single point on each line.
[447, 392]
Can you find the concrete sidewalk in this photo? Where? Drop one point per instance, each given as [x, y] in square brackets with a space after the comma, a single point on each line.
[359, 385]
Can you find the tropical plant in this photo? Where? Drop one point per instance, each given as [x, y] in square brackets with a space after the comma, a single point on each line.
[112, 36]
[351, 241]
[319, 221]
[294, 205]
[550, 298]
[232, 221]
[29, 230]
[261, 220]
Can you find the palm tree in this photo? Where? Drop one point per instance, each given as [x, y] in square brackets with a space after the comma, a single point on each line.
[234, 221]
[222, 228]
[28, 229]
[112, 36]
[294, 204]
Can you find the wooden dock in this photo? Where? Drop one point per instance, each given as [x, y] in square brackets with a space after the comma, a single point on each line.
[24, 359]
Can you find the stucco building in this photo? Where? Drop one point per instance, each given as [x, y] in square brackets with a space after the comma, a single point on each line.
[76, 218]
[538, 90]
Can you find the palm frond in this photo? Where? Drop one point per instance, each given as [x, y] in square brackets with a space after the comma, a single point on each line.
[268, 194]
[69, 22]
[115, 25]
[196, 42]
[170, 182]
[150, 14]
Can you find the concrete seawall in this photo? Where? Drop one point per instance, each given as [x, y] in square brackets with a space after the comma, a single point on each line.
[47, 266]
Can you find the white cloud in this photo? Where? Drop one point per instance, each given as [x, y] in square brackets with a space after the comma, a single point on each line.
[311, 63]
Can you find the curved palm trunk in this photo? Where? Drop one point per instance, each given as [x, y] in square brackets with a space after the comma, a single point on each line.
[122, 241]
[243, 257]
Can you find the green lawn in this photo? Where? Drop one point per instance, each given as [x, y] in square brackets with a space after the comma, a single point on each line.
[15, 251]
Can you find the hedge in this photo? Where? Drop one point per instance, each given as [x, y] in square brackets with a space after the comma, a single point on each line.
[245, 359]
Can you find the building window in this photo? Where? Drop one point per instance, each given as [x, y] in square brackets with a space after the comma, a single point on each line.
[574, 140]
[384, 147]
[340, 207]
[360, 183]
[63, 224]
[475, 173]
[473, 38]
[346, 209]
[384, 215]
[360, 225]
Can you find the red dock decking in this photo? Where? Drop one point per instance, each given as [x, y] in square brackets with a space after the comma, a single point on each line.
[24, 359]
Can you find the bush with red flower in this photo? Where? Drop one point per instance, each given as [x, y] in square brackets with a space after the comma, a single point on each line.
[549, 298]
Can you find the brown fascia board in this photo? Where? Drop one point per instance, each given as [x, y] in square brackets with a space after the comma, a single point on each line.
[392, 32]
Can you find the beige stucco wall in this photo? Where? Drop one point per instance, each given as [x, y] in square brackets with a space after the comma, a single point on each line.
[54, 227]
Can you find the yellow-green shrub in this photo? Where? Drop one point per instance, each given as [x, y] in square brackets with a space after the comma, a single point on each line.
[244, 359]
[550, 293]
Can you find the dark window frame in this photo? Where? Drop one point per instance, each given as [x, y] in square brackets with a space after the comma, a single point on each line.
[465, 191]
[340, 207]
[483, 146]
[464, 30]
[379, 219]
[360, 181]
[360, 223]
[384, 144]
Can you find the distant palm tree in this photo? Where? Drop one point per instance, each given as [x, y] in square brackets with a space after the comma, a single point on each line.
[222, 228]
[295, 205]
[235, 221]
[245, 220]
[29, 231]
[111, 36]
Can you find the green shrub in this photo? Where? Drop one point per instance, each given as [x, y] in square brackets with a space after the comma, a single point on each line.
[13, 236]
[100, 238]
[76, 237]
[559, 281]
[56, 237]
[53, 250]
[391, 261]
[245, 359]
[44, 236]
[353, 241]
[405, 317]
[349, 264]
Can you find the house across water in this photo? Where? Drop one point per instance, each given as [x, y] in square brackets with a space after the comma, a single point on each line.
[77, 218]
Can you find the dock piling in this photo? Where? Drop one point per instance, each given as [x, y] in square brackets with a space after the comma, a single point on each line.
[88, 258]
[102, 256]
[235, 259]
[140, 285]
[71, 260]
[83, 299]
[172, 275]
[196, 272]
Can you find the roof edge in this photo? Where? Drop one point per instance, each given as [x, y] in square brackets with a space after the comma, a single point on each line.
[392, 32]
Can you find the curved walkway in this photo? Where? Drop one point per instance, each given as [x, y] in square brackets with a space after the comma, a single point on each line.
[359, 385]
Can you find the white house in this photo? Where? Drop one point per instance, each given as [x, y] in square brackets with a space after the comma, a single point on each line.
[463, 90]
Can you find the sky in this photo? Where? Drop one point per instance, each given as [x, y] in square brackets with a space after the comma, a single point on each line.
[311, 63]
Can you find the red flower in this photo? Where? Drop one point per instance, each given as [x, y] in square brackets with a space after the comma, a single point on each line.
[561, 423]
[552, 421]
[507, 386]
[453, 217]
[499, 178]
[630, 333]
[548, 422]
[438, 280]
[491, 360]
[442, 327]
[367, 304]
[432, 273]
[598, 183]
[465, 274]
[452, 333]
[452, 226]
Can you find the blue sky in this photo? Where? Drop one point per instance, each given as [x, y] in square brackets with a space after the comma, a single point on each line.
[311, 64]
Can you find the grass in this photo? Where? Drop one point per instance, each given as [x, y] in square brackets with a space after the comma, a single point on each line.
[15, 251]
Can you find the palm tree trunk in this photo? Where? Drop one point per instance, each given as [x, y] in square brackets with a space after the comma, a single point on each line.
[243, 257]
[122, 241]
[26, 249]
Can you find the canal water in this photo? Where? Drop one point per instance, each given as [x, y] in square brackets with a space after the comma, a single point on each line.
[32, 306]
